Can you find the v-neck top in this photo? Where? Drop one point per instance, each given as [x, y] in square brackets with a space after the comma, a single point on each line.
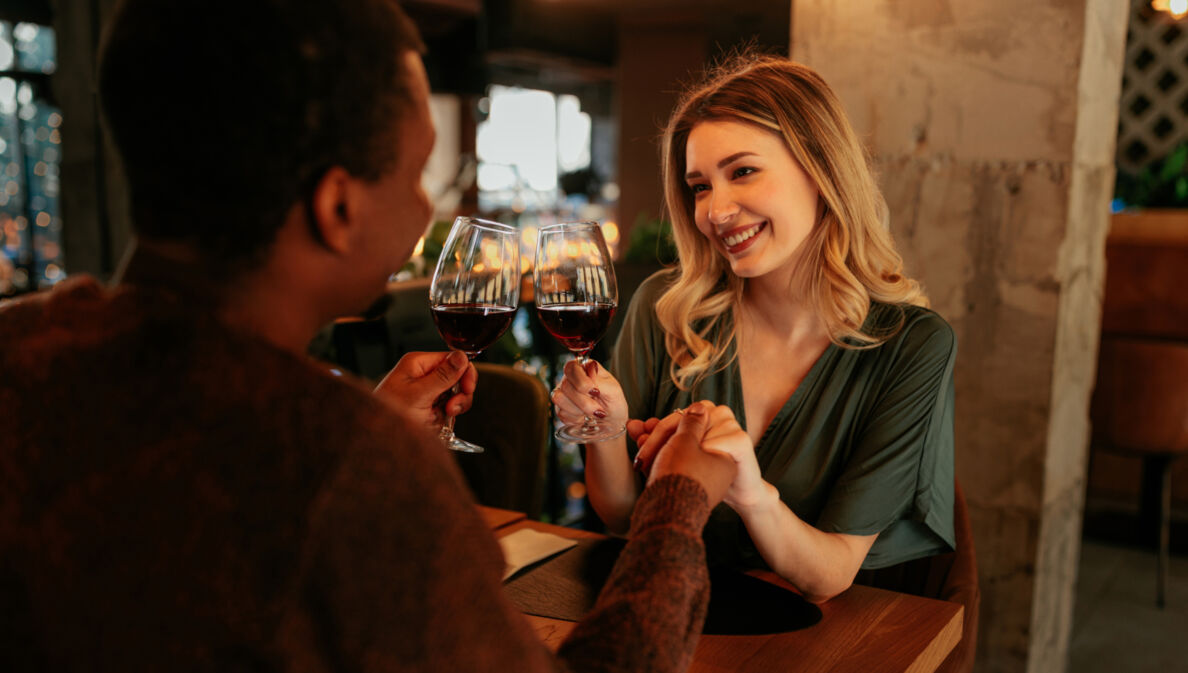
[864, 445]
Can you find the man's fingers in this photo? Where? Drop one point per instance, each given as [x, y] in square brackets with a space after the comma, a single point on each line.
[459, 404]
[451, 368]
[635, 429]
[657, 435]
[694, 422]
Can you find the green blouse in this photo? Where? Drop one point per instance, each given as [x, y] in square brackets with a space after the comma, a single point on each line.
[863, 446]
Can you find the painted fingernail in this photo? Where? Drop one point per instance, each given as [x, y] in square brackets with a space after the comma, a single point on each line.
[636, 464]
[594, 392]
[600, 413]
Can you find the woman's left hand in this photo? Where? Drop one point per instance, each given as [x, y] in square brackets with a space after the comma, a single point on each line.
[726, 436]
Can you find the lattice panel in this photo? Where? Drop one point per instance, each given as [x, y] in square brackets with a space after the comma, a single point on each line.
[1153, 117]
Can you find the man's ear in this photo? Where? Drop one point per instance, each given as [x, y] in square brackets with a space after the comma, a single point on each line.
[334, 210]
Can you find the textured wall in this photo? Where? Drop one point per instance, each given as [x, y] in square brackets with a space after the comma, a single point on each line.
[991, 123]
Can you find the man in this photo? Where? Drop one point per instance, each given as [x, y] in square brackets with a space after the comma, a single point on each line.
[180, 487]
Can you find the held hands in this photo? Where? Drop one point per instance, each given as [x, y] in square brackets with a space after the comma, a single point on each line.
[589, 391]
[678, 449]
[421, 384]
[723, 436]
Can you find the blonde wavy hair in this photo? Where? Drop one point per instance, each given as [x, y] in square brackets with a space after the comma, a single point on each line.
[847, 260]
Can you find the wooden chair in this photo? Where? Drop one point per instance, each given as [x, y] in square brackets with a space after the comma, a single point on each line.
[949, 577]
[510, 419]
[1140, 407]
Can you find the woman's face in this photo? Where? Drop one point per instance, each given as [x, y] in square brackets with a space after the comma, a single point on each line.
[751, 199]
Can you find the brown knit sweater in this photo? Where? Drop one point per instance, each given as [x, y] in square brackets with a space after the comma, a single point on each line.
[176, 495]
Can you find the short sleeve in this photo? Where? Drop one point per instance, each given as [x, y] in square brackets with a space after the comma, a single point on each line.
[898, 476]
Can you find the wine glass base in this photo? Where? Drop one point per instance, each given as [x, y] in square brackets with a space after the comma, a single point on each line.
[588, 432]
[464, 447]
[460, 445]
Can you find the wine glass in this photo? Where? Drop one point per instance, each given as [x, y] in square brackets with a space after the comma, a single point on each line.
[576, 297]
[474, 294]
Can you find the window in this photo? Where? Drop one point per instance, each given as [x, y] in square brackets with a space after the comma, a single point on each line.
[30, 158]
[529, 139]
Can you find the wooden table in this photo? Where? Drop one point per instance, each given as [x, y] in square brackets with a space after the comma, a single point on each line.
[498, 518]
[864, 629]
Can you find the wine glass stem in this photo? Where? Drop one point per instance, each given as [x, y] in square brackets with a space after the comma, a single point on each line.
[447, 428]
[584, 358]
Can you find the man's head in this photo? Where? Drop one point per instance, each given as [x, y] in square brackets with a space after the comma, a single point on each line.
[229, 114]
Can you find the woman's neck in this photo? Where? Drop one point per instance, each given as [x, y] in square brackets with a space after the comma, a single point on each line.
[777, 306]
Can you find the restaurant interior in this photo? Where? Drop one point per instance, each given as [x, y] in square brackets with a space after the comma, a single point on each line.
[1034, 156]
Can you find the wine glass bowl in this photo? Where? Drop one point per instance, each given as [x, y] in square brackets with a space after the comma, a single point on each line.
[576, 296]
[474, 294]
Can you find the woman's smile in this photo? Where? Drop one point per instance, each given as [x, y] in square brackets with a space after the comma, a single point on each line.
[738, 239]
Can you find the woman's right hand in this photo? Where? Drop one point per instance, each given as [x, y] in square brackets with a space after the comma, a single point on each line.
[724, 436]
[589, 391]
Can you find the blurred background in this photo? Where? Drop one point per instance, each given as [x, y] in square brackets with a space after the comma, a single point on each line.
[1034, 154]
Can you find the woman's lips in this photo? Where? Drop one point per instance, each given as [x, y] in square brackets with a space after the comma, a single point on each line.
[741, 238]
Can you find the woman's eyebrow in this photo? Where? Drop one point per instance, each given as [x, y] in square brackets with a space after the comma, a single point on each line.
[733, 157]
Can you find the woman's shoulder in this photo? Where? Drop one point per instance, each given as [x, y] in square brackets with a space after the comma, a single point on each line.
[913, 327]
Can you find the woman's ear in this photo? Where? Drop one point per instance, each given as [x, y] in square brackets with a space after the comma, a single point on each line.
[333, 210]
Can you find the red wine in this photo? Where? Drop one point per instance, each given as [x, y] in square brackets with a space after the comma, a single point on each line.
[577, 326]
[472, 328]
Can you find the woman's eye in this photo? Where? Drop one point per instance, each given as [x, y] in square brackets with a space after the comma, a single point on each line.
[742, 171]
[697, 189]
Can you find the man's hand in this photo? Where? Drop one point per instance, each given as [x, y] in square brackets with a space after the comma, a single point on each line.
[723, 437]
[673, 446]
[421, 385]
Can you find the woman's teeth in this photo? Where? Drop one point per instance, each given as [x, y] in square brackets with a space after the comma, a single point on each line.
[735, 239]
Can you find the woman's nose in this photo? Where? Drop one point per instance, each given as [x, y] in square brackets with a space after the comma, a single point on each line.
[722, 207]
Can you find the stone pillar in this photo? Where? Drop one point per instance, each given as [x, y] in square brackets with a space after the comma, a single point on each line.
[992, 125]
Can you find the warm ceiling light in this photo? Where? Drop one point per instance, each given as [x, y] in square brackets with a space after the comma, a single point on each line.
[1177, 8]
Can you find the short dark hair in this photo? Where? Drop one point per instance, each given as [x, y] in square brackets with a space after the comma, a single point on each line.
[227, 112]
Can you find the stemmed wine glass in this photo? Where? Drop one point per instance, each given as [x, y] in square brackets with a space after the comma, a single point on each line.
[576, 297]
[474, 294]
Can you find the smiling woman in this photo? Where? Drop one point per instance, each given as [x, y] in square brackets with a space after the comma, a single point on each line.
[774, 110]
[790, 309]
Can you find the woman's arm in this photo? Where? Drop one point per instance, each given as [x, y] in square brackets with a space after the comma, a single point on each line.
[819, 564]
[906, 437]
[610, 479]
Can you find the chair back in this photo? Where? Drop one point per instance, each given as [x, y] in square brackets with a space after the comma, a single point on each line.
[949, 577]
[1140, 403]
[510, 420]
